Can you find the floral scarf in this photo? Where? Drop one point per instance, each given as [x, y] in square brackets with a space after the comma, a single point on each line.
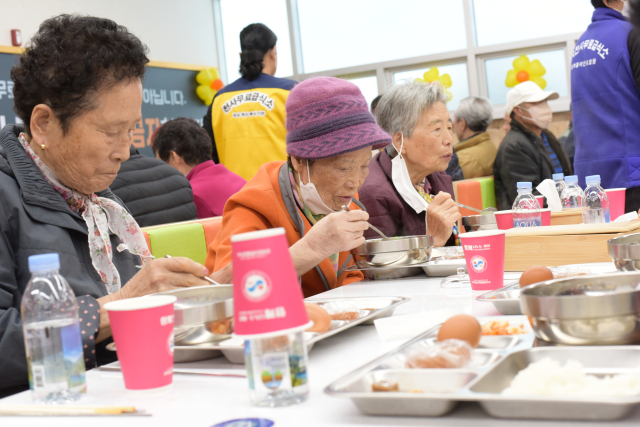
[101, 215]
[429, 198]
[313, 218]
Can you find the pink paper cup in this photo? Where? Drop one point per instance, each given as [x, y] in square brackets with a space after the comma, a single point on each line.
[143, 332]
[546, 216]
[540, 200]
[504, 219]
[616, 202]
[484, 255]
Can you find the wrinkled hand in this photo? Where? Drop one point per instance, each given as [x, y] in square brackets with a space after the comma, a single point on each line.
[224, 276]
[164, 274]
[442, 214]
[337, 232]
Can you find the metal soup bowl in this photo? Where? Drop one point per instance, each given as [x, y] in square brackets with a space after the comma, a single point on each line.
[585, 310]
[625, 252]
[202, 314]
[396, 251]
[479, 222]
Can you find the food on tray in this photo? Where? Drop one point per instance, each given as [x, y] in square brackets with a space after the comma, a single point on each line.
[548, 377]
[502, 327]
[451, 353]
[461, 327]
[319, 316]
[384, 386]
[569, 271]
[450, 252]
[222, 327]
[535, 274]
[339, 310]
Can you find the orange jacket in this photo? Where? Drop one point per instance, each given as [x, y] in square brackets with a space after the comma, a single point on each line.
[259, 205]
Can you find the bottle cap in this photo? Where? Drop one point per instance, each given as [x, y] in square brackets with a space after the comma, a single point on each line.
[557, 176]
[524, 185]
[571, 178]
[44, 262]
[592, 179]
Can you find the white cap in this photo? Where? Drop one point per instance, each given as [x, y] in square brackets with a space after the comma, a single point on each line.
[527, 92]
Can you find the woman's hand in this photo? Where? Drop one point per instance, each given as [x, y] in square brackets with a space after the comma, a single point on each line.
[159, 275]
[442, 214]
[337, 232]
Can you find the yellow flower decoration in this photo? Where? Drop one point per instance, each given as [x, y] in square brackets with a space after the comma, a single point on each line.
[433, 75]
[209, 84]
[525, 70]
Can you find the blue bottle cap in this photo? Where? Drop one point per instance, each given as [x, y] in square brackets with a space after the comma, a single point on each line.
[592, 179]
[246, 422]
[44, 262]
[571, 178]
[524, 185]
[557, 176]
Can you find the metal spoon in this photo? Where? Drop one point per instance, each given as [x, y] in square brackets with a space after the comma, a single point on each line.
[483, 212]
[346, 209]
[205, 277]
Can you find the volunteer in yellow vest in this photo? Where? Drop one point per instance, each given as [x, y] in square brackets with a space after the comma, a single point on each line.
[246, 119]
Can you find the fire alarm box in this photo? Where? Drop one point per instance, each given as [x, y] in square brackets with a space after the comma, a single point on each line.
[16, 38]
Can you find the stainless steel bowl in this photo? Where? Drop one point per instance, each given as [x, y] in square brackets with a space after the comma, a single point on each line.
[585, 310]
[202, 314]
[397, 251]
[479, 222]
[625, 252]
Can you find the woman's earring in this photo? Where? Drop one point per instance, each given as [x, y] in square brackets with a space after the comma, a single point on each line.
[43, 147]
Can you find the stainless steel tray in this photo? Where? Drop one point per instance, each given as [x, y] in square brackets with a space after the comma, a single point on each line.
[388, 272]
[506, 299]
[444, 267]
[375, 308]
[435, 392]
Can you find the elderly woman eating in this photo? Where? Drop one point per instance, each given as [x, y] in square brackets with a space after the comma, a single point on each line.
[78, 90]
[329, 141]
[407, 192]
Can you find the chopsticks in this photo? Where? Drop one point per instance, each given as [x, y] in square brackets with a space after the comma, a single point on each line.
[44, 410]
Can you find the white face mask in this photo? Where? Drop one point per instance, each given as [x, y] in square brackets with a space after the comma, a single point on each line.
[312, 198]
[541, 115]
[402, 181]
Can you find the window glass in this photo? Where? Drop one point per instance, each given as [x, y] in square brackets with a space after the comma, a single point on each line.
[554, 77]
[458, 79]
[368, 86]
[498, 21]
[237, 14]
[345, 33]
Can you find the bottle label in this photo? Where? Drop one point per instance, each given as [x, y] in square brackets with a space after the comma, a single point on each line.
[271, 371]
[517, 223]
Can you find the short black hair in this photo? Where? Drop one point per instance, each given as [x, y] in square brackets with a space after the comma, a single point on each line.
[255, 41]
[68, 60]
[186, 137]
[374, 104]
[598, 3]
[635, 16]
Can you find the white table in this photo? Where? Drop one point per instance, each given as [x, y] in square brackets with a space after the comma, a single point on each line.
[203, 401]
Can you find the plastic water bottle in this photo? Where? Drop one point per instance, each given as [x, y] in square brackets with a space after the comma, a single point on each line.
[526, 209]
[52, 334]
[572, 194]
[277, 369]
[558, 178]
[595, 204]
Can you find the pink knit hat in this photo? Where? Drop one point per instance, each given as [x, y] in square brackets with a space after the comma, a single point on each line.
[327, 117]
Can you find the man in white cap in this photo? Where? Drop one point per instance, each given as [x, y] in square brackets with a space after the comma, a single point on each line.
[529, 152]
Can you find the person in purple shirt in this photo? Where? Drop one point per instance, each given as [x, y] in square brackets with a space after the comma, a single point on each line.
[183, 144]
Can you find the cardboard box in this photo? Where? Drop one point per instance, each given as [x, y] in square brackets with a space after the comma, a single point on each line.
[572, 216]
[562, 244]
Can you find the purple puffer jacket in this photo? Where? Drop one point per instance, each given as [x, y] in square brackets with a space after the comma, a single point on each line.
[387, 209]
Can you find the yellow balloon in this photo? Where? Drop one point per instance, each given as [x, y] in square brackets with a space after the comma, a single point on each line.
[521, 62]
[431, 74]
[511, 80]
[445, 79]
[539, 81]
[206, 94]
[536, 69]
[205, 77]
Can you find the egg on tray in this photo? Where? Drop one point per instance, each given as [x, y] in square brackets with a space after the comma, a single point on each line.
[535, 274]
[461, 327]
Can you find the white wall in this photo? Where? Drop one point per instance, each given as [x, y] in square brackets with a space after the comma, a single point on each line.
[174, 30]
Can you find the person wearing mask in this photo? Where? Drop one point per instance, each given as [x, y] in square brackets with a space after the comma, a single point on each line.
[154, 192]
[605, 100]
[183, 144]
[528, 152]
[407, 191]
[246, 118]
[476, 152]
